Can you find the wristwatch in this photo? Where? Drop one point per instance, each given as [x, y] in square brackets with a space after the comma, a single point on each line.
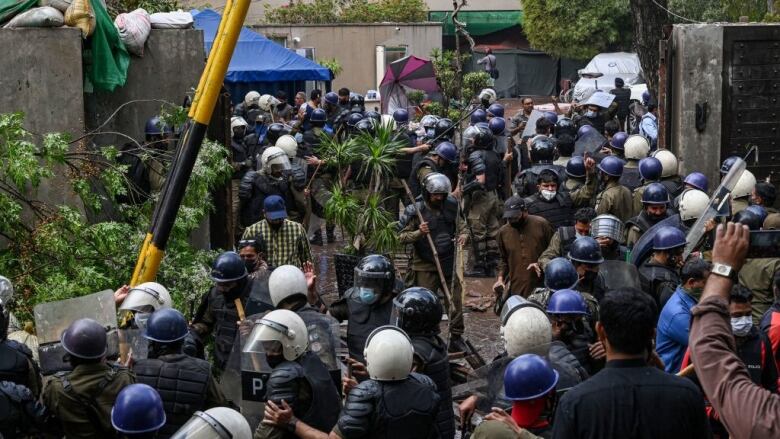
[291, 425]
[724, 270]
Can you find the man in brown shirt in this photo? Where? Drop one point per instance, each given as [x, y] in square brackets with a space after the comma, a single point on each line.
[746, 409]
[520, 242]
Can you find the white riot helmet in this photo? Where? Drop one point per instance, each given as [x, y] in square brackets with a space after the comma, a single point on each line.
[745, 185]
[388, 121]
[488, 94]
[252, 98]
[389, 354]
[286, 281]
[215, 423]
[6, 292]
[636, 147]
[283, 326]
[607, 226]
[668, 162]
[288, 144]
[146, 298]
[274, 156]
[527, 331]
[267, 102]
[237, 121]
[693, 203]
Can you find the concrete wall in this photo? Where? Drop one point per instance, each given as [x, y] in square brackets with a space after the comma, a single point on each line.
[41, 76]
[354, 46]
[697, 65]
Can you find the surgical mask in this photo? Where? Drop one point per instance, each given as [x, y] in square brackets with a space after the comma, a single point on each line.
[367, 295]
[548, 195]
[740, 326]
[590, 113]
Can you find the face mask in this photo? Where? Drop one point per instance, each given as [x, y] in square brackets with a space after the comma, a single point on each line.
[590, 113]
[251, 265]
[274, 360]
[517, 222]
[367, 295]
[239, 133]
[579, 235]
[430, 133]
[275, 225]
[740, 326]
[548, 195]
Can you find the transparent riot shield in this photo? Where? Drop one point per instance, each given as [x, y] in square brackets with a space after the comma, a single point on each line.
[487, 383]
[591, 143]
[324, 341]
[52, 318]
[619, 274]
[530, 126]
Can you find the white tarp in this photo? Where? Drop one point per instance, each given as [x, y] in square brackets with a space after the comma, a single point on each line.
[614, 63]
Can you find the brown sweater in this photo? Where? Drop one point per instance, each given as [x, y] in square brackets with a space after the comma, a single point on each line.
[520, 248]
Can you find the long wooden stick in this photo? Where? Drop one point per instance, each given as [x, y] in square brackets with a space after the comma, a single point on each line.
[687, 371]
[442, 278]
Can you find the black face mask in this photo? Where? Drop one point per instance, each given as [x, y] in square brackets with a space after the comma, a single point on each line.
[274, 360]
[251, 265]
[275, 225]
[517, 223]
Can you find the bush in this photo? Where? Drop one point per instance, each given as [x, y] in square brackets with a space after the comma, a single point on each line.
[348, 11]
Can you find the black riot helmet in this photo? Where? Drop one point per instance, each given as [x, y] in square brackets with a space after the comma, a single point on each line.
[542, 150]
[374, 276]
[275, 131]
[565, 126]
[373, 115]
[417, 311]
[366, 125]
[443, 128]
[85, 339]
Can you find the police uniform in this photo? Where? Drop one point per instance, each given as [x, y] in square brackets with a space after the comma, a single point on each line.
[432, 360]
[673, 184]
[614, 200]
[403, 171]
[526, 181]
[423, 273]
[17, 366]
[638, 225]
[297, 179]
[362, 320]
[306, 386]
[20, 411]
[482, 205]
[757, 275]
[419, 171]
[636, 198]
[390, 409]
[559, 245]
[81, 400]
[185, 385]
[631, 177]
[559, 211]
[255, 187]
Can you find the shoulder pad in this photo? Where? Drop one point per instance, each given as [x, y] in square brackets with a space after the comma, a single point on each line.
[357, 415]
[21, 347]
[475, 156]
[16, 392]
[249, 176]
[282, 384]
[424, 379]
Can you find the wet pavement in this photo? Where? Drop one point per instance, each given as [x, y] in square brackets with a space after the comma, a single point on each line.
[482, 325]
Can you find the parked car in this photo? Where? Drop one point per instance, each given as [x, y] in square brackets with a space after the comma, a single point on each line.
[601, 71]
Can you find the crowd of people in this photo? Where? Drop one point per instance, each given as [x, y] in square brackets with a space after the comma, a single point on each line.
[610, 327]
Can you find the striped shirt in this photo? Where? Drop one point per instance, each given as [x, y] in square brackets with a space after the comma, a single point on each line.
[286, 246]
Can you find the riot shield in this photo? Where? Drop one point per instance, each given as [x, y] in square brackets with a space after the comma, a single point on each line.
[619, 274]
[487, 383]
[591, 143]
[259, 301]
[132, 343]
[324, 340]
[52, 318]
[530, 126]
[644, 246]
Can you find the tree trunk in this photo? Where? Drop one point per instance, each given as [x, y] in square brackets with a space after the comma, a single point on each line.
[649, 20]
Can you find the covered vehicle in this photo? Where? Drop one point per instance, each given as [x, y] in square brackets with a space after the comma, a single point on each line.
[622, 65]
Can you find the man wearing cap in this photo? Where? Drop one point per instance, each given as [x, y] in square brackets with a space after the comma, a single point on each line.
[521, 242]
[285, 240]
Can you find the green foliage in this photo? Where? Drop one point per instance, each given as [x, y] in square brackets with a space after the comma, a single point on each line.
[116, 7]
[473, 83]
[415, 96]
[579, 29]
[336, 153]
[54, 252]
[332, 64]
[719, 10]
[348, 11]
[379, 153]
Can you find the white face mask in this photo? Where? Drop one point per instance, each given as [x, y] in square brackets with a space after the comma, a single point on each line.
[548, 195]
[740, 326]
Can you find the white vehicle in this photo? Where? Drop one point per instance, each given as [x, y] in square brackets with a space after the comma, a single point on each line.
[601, 71]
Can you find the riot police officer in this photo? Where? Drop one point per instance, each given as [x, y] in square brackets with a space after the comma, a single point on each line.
[20, 411]
[16, 359]
[561, 274]
[477, 116]
[669, 174]
[289, 289]
[655, 202]
[369, 303]
[650, 170]
[565, 132]
[576, 174]
[614, 199]
[565, 236]
[542, 156]
[80, 400]
[221, 308]
[418, 312]
[740, 195]
[557, 206]
[636, 148]
[494, 110]
[221, 422]
[270, 180]
[299, 379]
[312, 137]
[616, 145]
[439, 211]
[608, 231]
[660, 274]
[694, 180]
[443, 131]
[585, 255]
[296, 178]
[275, 131]
[138, 412]
[251, 101]
[439, 160]
[481, 204]
[185, 383]
[573, 324]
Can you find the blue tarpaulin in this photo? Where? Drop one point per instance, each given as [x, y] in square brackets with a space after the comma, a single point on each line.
[258, 59]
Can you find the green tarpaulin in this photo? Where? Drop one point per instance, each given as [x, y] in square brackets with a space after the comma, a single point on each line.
[478, 22]
[10, 8]
[105, 58]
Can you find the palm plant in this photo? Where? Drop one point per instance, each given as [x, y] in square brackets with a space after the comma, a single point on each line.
[378, 153]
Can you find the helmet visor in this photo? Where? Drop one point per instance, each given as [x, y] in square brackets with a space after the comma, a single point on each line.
[202, 426]
[143, 299]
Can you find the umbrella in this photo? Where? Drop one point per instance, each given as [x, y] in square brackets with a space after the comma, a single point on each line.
[409, 73]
